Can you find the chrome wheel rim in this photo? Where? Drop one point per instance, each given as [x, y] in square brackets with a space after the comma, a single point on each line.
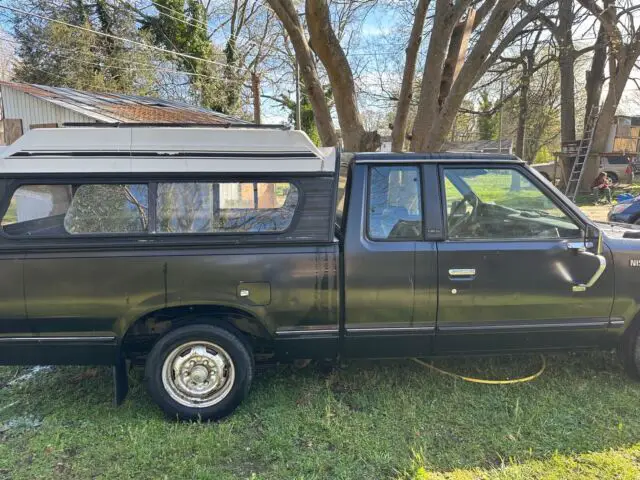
[198, 374]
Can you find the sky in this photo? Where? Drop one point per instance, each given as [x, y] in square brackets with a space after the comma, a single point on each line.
[376, 53]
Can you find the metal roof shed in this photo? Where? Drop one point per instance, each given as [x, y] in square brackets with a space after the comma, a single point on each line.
[26, 106]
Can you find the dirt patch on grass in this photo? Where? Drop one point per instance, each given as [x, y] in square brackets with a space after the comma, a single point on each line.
[596, 212]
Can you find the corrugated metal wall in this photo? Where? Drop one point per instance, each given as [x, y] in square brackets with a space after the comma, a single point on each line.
[34, 111]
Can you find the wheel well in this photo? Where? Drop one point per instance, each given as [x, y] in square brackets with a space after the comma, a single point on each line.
[142, 335]
[612, 175]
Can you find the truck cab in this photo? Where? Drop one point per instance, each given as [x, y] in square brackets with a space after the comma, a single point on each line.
[453, 253]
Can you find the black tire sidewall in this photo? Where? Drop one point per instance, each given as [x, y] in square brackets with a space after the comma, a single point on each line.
[231, 342]
[631, 351]
[613, 177]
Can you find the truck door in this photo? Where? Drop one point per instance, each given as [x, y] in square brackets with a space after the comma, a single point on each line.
[389, 268]
[512, 255]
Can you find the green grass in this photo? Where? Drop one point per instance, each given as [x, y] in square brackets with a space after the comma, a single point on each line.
[377, 420]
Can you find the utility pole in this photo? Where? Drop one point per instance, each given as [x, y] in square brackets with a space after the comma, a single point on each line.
[298, 119]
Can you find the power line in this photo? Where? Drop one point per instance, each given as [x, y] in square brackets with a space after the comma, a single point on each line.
[108, 35]
[144, 64]
[153, 4]
[244, 39]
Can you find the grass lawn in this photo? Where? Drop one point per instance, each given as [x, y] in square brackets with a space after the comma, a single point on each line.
[365, 420]
[373, 420]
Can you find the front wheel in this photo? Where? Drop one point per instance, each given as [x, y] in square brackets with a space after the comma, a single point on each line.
[631, 351]
[199, 372]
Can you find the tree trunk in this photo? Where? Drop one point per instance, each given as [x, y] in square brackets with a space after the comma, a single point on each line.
[326, 45]
[566, 61]
[255, 92]
[523, 103]
[399, 131]
[443, 25]
[595, 75]
[567, 97]
[287, 14]
[473, 68]
[456, 55]
[627, 56]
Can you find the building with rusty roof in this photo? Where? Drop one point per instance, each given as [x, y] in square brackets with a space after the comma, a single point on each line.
[26, 106]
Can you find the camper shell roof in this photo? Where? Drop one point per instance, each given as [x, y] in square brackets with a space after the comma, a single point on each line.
[155, 149]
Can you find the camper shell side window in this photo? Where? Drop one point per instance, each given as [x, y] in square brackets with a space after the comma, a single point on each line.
[168, 207]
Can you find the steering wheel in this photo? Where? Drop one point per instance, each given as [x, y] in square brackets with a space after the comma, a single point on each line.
[473, 202]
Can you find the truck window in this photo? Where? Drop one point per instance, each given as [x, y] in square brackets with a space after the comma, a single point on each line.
[501, 203]
[52, 210]
[394, 211]
[225, 207]
[108, 209]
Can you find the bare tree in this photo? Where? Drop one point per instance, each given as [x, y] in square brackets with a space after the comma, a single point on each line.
[624, 51]
[445, 20]
[477, 62]
[448, 75]
[399, 130]
[327, 46]
[287, 14]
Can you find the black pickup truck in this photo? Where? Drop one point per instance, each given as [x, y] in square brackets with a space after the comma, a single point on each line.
[201, 250]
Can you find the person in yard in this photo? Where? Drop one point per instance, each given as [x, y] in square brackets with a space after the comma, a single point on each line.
[601, 185]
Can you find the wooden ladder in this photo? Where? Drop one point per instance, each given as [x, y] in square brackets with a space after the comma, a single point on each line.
[582, 155]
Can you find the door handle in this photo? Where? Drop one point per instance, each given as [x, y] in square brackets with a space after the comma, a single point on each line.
[462, 272]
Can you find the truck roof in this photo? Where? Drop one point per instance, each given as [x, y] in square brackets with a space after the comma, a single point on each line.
[166, 149]
[434, 157]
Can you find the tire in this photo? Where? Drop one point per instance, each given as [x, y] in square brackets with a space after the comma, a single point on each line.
[631, 351]
[636, 221]
[216, 368]
[613, 177]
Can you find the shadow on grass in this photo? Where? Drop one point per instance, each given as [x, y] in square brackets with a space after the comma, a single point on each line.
[365, 419]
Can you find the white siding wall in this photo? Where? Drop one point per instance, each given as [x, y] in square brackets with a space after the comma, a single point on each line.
[32, 110]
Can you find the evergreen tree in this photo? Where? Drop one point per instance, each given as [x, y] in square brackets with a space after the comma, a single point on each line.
[184, 30]
[51, 53]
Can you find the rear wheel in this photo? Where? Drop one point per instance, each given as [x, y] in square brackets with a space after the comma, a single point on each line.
[199, 372]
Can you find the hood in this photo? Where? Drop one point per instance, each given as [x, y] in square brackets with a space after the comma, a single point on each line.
[619, 230]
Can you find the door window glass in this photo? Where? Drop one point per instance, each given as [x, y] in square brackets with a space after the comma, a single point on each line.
[501, 204]
[394, 211]
[225, 207]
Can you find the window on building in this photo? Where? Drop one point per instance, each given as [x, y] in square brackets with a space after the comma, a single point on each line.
[225, 207]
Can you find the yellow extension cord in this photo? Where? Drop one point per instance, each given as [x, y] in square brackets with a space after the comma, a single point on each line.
[483, 381]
